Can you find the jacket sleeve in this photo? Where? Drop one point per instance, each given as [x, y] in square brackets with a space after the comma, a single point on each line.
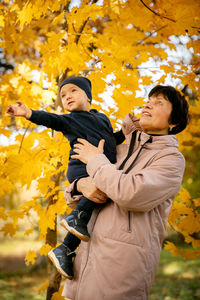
[130, 123]
[143, 190]
[51, 120]
[70, 198]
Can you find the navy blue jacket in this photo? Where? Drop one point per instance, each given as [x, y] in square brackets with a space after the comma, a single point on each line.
[92, 126]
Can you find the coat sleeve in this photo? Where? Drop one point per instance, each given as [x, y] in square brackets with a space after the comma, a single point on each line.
[70, 198]
[51, 120]
[130, 123]
[143, 190]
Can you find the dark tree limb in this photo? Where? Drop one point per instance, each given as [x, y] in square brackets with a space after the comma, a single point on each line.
[20, 147]
[80, 31]
[157, 14]
[51, 239]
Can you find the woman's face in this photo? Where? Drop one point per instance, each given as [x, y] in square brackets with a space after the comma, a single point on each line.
[155, 115]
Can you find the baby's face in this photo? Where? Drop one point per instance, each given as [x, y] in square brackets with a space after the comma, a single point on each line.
[74, 98]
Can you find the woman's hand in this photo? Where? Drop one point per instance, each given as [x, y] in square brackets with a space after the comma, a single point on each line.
[85, 151]
[19, 110]
[89, 190]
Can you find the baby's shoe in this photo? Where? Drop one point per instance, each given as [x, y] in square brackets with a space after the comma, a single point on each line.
[76, 223]
[62, 259]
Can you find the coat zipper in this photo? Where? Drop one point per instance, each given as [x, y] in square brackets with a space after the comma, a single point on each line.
[79, 283]
[129, 221]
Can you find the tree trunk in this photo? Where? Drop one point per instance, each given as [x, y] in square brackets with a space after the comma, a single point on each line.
[53, 276]
[51, 238]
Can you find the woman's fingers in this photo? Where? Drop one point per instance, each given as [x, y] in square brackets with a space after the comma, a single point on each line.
[82, 144]
[84, 150]
[101, 195]
[97, 200]
[89, 190]
[98, 196]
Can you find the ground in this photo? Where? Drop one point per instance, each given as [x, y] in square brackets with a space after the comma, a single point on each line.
[176, 279]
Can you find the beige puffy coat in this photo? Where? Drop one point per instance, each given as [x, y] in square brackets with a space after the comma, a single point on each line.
[120, 260]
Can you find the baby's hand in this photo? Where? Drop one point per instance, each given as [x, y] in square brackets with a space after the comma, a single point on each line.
[19, 110]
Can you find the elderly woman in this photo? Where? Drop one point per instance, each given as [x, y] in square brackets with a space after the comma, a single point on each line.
[120, 260]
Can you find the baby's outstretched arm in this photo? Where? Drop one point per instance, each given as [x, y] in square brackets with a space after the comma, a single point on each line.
[63, 123]
[19, 110]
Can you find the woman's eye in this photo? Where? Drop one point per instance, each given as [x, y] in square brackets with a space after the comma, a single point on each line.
[73, 90]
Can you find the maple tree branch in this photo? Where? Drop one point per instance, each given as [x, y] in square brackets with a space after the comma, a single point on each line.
[88, 54]
[195, 27]
[80, 30]
[151, 33]
[20, 147]
[157, 14]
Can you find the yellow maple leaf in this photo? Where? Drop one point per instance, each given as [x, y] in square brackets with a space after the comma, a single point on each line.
[196, 202]
[44, 286]
[25, 70]
[44, 223]
[28, 231]
[5, 132]
[195, 243]
[15, 215]
[9, 229]
[58, 295]
[189, 253]
[32, 9]
[58, 19]
[114, 4]
[184, 195]
[13, 165]
[30, 257]
[189, 224]
[28, 205]
[2, 213]
[2, 21]
[146, 80]
[172, 248]
[45, 249]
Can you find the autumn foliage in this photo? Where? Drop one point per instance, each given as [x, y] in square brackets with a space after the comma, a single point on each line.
[125, 48]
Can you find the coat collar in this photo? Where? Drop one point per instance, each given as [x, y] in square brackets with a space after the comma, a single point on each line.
[158, 142]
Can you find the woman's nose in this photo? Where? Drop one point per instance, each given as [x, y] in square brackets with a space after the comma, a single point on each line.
[147, 104]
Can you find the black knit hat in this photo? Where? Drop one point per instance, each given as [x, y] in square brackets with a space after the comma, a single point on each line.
[82, 82]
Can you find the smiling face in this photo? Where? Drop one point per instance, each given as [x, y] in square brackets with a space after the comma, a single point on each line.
[155, 115]
[74, 98]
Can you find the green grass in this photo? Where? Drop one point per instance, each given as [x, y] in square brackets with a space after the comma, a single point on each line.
[22, 285]
[17, 281]
[176, 279]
